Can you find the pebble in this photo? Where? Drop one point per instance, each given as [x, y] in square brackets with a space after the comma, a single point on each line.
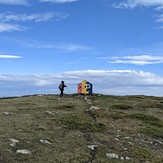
[122, 158]
[92, 147]
[24, 151]
[130, 143]
[127, 158]
[127, 137]
[8, 113]
[112, 155]
[125, 149]
[49, 112]
[13, 142]
[45, 141]
[93, 108]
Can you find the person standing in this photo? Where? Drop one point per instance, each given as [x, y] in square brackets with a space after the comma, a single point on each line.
[61, 88]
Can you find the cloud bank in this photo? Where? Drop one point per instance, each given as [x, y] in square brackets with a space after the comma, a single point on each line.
[113, 82]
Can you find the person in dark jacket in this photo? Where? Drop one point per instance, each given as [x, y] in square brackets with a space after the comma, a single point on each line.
[61, 88]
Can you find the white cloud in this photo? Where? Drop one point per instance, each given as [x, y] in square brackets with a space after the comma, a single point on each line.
[60, 46]
[5, 27]
[7, 17]
[4, 56]
[115, 82]
[136, 3]
[160, 18]
[13, 2]
[39, 17]
[137, 60]
[59, 1]
[130, 4]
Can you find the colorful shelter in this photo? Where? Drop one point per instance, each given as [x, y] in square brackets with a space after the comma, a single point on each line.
[85, 87]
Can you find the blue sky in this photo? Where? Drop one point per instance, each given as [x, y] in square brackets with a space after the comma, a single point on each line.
[115, 44]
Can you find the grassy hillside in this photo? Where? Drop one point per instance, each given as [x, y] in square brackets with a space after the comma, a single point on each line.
[77, 129]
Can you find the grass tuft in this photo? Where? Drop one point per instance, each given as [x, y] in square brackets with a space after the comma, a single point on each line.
[76, 123]
[153, 131]
[122, 107]
[148, 119]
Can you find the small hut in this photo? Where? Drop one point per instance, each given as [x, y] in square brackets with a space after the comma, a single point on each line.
[85, 88]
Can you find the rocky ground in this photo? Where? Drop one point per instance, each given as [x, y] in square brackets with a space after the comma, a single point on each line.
[81, 129]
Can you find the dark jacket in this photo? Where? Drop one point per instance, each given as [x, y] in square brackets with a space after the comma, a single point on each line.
[61, 86]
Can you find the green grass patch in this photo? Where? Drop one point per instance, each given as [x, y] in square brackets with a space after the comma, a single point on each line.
[66, 107]
[148, 119]
[73, 127]
[154, 125]
[122, 107]
[117, 115]
[153, 131]
[143, 154]
[76, 123]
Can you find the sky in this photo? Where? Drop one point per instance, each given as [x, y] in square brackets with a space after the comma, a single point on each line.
[116, 45]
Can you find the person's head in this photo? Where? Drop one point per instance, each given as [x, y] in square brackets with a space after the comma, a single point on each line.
[62, 82]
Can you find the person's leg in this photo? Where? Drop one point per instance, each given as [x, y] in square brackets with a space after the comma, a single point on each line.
[61, 94]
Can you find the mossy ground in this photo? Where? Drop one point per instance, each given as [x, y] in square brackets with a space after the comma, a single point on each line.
[129, 126]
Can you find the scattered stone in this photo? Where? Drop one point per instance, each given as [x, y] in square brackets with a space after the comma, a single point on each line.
[93, 108]
[49, 112]
[112, 155]
[127, 137]
[126, 149]
[85, 98]
[117, 139]
[45, 141]
[13, 142]
[143, 140]
[156, 142]
[89, 102]
[127, 158]
[122, 158]
[24, 151]
[8, 113]
[92, 147]
[20, 130]
[130, 143]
